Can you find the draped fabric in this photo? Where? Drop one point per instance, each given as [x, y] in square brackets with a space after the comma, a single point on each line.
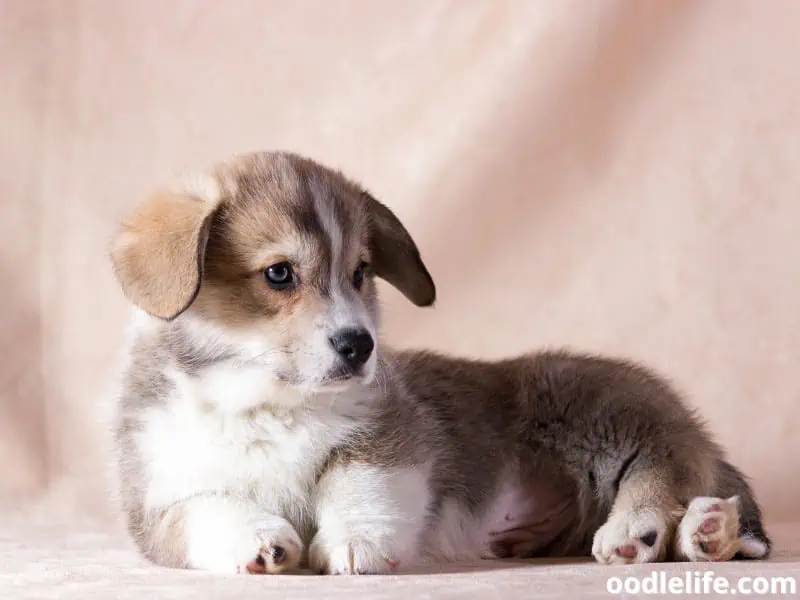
[608, 175]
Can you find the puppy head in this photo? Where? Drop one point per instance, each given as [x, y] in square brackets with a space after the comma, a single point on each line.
[273, 256]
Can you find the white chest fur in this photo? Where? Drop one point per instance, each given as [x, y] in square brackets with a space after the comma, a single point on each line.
[272, 456]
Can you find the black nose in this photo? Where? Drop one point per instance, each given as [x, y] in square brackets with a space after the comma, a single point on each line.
[353, 345]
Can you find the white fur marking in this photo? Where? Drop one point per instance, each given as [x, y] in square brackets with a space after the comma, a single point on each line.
[269, 455]
[370, 518]
[223, 535]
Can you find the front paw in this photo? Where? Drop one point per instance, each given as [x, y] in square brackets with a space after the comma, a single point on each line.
[350, 556]
[279, 548]
[223, 538]
[631, 537]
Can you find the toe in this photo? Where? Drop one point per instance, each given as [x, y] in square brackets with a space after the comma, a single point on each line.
[628, 551]
[709, 548]
[709, 526]
[257, 566]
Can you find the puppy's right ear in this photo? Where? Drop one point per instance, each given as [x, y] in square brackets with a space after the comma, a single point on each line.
[158, 254]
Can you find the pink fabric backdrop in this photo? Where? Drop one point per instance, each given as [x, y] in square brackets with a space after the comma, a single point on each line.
[617, 176]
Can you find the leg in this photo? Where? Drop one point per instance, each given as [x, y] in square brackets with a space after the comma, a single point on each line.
[219, 533]
[369, 518]
[725, 527]
[641, 522]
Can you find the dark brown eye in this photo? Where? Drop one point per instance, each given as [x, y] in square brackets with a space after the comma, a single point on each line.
[358, 275]
[280, 276]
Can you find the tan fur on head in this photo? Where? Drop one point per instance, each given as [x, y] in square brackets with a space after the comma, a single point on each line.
[158, 253]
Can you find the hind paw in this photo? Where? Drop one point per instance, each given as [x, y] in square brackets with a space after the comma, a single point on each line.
[709, 531]
[631, 537]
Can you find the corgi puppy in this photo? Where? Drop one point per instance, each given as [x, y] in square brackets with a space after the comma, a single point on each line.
[260, 427]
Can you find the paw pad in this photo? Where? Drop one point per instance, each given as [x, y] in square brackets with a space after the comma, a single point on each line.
[267, 560]
[649, 539]
[709, 526]
[627, 551]
[631, 537]
[709, 547]
[709, 530]
[278, 554]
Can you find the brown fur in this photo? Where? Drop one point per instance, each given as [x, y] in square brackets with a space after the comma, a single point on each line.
[617, 435]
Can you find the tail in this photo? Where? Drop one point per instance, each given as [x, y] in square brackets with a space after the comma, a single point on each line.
[731, 482]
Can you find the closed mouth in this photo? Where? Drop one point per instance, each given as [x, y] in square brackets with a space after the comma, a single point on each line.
[336, 381]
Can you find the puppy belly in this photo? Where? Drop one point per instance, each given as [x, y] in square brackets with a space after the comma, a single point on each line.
[525, 519]
[522, 519]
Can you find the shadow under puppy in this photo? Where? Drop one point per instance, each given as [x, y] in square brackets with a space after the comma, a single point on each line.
[260, 428]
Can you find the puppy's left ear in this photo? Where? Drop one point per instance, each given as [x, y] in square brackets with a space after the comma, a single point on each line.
[395, 256]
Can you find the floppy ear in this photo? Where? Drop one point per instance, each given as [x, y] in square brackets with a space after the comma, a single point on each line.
[158, 254]
[395, 256]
